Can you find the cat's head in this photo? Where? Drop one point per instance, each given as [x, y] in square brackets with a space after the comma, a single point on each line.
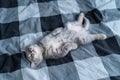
[34, 53]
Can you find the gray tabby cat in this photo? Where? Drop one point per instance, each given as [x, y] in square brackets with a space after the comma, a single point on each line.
[62, 40]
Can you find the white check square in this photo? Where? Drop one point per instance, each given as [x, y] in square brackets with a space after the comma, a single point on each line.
[91, 69]
[26, 12]
[105, 4]
[68, 6]
[39, 74]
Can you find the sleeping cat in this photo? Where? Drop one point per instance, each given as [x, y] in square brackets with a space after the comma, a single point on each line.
[62, 40]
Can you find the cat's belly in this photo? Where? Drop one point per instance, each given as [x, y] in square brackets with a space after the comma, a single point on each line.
[66, 36]
[53, 44]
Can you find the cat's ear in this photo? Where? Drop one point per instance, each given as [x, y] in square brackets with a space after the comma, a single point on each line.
[80, 18]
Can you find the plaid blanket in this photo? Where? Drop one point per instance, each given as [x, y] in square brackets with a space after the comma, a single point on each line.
[24, 22]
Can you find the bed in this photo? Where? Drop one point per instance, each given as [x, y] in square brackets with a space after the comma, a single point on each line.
[25, 22]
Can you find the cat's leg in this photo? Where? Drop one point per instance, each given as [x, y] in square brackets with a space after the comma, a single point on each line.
[68, 47]
[98, 37]
[86, 23]
[91, 37]
[57, 31]
[80, 18]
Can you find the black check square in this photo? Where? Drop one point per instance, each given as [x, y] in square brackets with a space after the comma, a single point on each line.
[51, 22]
[8, 3]
[10, 63]
[107, 47]
[115, 78]
[95, 16]
[8, 30]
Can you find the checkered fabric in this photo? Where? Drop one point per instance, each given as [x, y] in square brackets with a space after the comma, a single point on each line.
[24, 22]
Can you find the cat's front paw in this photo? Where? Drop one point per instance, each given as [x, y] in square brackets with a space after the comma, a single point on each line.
[74, 46]
[70, 46]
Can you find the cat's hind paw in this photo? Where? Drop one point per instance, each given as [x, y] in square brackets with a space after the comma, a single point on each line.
[102, 36]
